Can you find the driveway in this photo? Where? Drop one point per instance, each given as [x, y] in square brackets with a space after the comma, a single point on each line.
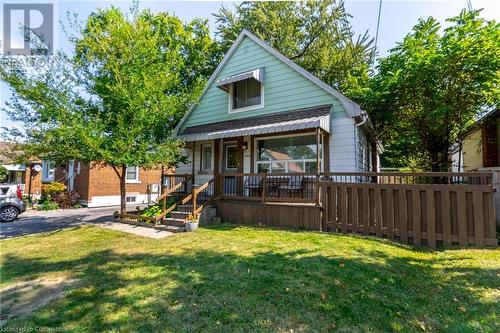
[33, 222]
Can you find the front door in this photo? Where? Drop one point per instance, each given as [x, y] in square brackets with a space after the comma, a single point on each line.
[232, 163]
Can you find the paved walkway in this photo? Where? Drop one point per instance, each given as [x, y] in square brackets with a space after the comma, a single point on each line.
[137, 230]
[34, 222]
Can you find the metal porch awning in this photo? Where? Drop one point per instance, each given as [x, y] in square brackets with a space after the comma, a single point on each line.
[322, 122]
[14, 167]
[257, 74]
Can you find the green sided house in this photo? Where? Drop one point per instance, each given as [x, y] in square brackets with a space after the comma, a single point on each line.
[267, 128]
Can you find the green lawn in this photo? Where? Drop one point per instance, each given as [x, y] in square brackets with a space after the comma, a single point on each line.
[230, 278]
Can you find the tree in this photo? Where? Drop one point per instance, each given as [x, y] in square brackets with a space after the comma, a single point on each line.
[116, 101]
[314, 34]
[3, 173]
[433, 85]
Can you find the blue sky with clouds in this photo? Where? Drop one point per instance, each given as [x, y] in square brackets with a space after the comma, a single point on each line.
[397, 17]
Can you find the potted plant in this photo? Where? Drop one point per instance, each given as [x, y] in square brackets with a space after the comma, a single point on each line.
[192, 222]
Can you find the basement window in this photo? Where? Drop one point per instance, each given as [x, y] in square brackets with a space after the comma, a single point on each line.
[131, 199]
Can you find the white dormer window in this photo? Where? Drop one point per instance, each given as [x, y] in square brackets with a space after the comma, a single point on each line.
[246, 90]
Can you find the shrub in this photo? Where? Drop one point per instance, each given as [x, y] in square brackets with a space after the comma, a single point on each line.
[66, 199]
[47, 204]
[151, 211]
[155, 210]
[53, 188]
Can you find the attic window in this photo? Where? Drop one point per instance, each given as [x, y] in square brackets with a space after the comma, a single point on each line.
[245, 94]
[246, 90]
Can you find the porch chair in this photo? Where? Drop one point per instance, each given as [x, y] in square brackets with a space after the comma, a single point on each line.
[254, 185]
[274, 184]
[295, 186]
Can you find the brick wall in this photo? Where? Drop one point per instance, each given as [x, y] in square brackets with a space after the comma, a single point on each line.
[104, 181]
[36, 180]
[92, 181]
[81, 182]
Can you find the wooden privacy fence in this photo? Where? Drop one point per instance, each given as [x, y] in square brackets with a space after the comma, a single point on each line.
[413, 213]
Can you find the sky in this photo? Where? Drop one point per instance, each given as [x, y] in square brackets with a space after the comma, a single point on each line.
[396, 19]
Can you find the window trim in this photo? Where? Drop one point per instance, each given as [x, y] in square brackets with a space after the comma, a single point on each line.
[202, 146]
[246, 108]
[137, 179]
[255, 149]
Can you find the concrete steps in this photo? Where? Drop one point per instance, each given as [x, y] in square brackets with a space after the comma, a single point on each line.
[173, 221]
[171, 228]
[179, 214]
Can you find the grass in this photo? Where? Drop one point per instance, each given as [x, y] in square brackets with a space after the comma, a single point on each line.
[230, 278]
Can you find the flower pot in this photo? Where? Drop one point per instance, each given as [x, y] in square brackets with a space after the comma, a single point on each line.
[191, 226]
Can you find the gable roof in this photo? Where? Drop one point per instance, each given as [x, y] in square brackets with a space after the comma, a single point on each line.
[352, 109]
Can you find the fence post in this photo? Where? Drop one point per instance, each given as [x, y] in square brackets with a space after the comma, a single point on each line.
[217, 186]
[318, 190]
[264, 188]
[194, 194]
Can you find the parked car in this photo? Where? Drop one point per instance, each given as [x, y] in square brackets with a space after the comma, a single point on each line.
[11, 203]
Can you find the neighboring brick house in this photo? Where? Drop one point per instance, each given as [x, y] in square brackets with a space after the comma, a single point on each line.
[25, 175]
[99, 185]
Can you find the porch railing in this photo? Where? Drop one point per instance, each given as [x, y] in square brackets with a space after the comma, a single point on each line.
[267, 187]
[171, 181]
[204, 195]
[305, 187]
[451, 178]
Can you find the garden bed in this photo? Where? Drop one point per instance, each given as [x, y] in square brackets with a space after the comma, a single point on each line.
[136, 219]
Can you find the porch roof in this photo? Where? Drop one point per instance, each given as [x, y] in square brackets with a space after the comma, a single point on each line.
[315, 117]
[14, 167]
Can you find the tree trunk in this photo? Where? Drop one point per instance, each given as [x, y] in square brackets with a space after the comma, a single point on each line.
[440, 161]
[123, 202]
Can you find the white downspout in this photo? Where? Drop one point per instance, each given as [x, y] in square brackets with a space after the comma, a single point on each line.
[364, 115]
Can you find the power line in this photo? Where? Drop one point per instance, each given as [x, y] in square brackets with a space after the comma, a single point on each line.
[378, 26]
[469, 5]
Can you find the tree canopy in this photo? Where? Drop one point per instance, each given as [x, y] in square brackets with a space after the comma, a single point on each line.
[432, 85]
[315, 34]
[116, 100]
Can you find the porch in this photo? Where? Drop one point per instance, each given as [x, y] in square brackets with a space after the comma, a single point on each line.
[294, 142]
[414, 208]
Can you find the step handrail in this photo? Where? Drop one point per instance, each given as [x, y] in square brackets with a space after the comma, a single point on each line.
[168, 192]
[175, 187]
[197, 191]
[168, 210]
